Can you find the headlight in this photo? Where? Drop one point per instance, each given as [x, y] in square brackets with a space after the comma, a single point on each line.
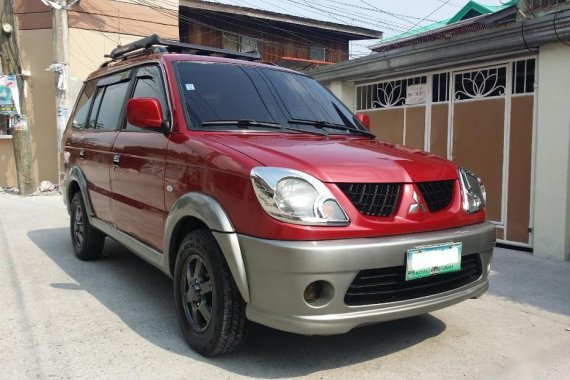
[472, 190]
[296, 197]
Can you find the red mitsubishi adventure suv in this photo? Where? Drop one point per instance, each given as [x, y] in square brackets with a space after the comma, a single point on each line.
[264, 197]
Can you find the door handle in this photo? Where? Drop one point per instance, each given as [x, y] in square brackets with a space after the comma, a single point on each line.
[82, 153]
[116, 159]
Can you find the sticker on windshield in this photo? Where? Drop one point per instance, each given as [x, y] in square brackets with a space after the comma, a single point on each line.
[190, 87]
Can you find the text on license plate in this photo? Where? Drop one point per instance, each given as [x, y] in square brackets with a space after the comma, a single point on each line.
[431, 260]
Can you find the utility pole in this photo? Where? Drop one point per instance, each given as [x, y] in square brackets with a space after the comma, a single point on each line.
[11, 65]
[61, 69]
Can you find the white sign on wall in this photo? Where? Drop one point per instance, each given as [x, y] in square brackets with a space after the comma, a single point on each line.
[416, 94]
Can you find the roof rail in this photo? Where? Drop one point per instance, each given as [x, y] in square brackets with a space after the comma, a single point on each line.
[179, 47]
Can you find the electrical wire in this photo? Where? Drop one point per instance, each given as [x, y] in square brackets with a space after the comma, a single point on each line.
[524, 39]
[556, 30]
[423, 19]
[189, 20]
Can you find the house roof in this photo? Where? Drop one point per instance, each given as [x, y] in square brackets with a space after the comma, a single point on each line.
[467, 15]
[351, 32]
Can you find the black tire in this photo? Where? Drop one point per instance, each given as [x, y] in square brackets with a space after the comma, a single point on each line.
[209, 307]
[87, 241]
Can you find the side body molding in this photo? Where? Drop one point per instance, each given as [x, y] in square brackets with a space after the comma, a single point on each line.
[209, 211]
[76, 175]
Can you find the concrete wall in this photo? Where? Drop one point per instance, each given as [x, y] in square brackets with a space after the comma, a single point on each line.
[87, 49]
[7, 163]
[345, 91]
[552, 183]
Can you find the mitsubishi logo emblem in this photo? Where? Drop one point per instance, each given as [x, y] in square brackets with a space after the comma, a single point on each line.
[417, 206]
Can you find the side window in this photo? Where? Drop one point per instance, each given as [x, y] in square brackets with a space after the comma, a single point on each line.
[149, 84]
[110, 112]
[79, 117]
[95, 108]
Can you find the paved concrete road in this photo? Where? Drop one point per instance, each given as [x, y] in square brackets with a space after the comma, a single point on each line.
[66, 319]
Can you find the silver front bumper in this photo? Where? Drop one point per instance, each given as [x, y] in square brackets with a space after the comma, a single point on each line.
[279, 271]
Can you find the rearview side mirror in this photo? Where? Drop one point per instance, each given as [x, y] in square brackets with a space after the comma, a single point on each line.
[145, 113]
[364, 119]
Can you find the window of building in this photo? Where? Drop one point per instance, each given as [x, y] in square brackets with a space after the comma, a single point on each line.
[149, 84]
[231, 41]
[440, 87]
[538, 4]
[523, 76]
[318, 53]
[4, 126]
[248, 44]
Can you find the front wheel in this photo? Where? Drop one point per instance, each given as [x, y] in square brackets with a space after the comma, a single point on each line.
[209, 307]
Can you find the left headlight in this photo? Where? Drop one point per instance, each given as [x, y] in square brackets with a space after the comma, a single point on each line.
[473, 191]
[296, 197]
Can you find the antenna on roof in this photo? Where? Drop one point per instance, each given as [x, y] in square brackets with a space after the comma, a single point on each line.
[180, 47]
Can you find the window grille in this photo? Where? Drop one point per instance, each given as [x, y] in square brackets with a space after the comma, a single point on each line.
[484, 83]
[385, 94]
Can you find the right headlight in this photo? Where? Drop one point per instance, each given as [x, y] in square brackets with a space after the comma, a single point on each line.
[296, 197]
[474, 196]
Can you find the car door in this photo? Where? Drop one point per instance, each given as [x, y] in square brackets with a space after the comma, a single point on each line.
[137, 174]
[91, 146]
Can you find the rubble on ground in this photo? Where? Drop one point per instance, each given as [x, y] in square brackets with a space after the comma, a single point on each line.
[45, 188]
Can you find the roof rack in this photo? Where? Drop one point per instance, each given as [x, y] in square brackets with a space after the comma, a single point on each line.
[179, 47]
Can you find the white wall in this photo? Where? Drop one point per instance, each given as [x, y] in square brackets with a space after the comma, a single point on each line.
[345, 91]
[552, 181]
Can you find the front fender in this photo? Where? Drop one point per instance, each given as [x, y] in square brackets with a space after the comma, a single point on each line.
[210, 212]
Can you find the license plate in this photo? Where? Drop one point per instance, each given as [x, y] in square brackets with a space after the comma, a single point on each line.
[431, 260]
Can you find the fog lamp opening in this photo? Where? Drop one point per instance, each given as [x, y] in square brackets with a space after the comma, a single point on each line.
[318, 293]
[313, 292]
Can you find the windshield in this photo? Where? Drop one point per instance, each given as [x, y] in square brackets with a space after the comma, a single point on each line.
[217, 92]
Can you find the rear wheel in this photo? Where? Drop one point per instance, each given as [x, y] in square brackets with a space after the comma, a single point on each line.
[87, 241]
[209, 307]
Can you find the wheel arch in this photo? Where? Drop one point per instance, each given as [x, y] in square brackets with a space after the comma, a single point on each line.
[76, 181]
[197, 210]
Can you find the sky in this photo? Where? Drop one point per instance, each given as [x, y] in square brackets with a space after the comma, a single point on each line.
[389, 16]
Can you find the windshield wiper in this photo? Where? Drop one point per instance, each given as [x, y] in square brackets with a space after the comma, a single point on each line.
[243, 123]
[246, 123]
[325, 124]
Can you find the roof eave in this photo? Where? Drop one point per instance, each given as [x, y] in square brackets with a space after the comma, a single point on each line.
[504, 40]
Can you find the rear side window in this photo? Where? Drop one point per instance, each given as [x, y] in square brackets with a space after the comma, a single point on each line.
[95, 108]
[106, 102]
[79, 117]
[149, 84]
[111, 109]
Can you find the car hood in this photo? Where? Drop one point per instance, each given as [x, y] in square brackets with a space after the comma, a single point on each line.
[341, 159]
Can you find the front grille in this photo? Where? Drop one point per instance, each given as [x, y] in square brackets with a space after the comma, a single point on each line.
[374, 199]
[373, 286]
[437, 195]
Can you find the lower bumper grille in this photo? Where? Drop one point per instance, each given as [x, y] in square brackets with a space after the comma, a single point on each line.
[373, 286]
